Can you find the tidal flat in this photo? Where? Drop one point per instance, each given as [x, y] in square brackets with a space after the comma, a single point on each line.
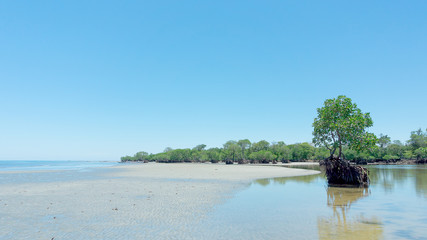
[211, 201]
[135, 201]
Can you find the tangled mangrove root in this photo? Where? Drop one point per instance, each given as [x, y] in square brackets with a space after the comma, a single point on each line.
[421, 161]
[341, 172]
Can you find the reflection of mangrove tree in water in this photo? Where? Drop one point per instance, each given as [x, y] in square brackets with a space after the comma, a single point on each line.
[341, 225]
[421, 182]
[389, 177]
[394, 177]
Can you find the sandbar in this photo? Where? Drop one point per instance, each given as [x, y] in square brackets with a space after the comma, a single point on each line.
[244, 172]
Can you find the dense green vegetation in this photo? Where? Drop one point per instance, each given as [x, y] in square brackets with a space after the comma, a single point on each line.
[341, 123]
[244, 151]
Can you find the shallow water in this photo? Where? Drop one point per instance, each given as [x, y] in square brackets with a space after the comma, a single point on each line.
[51, 171]
[393, 207]
[20, 165]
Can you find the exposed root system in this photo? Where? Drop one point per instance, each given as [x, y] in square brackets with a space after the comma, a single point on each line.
[341, 172]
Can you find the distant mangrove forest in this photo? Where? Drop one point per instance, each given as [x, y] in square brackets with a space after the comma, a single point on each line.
[245, 151]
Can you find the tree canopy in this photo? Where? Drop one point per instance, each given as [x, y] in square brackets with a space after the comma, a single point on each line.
[341, 123]
[241, 151]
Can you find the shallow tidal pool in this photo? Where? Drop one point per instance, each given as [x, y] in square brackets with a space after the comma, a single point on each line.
[393, 207]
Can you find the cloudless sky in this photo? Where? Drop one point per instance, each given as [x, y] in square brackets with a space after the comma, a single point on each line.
[96, 80]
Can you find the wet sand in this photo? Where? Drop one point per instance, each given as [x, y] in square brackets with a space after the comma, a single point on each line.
[209, 171]
[143, 201]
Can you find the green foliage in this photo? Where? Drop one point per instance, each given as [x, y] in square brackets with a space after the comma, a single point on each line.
[321, 153]
[264, 152]
[383, 140]
[421, 153]
[408, 154]
[259, 146]
[139, 156]
[168, 149]
[390, 157]
[301, 151]
[350, 154]
[418, 139]
[126, 158]
[244, 145]
[214, 155]
[180, 155]
[262, 156]
[395, 150]
[341, 123]
[231, 151]
[282, 152]
[199, 147]
[162, 157]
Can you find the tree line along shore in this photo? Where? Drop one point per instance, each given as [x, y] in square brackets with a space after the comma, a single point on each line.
[244, 151]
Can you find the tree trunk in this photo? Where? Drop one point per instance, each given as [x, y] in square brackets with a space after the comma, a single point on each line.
[332, 153]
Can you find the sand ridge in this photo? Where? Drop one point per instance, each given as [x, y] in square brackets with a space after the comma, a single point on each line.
[206, 171]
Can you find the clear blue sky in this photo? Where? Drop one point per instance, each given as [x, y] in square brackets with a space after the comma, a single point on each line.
[96, 80]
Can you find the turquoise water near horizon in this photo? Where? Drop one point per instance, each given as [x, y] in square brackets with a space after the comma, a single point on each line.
[46, 165]
[26, 171]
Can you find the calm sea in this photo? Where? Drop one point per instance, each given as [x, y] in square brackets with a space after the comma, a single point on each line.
[49, 171]
[52, 165]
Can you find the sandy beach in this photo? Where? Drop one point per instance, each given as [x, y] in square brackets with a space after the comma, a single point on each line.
[130, 201]
[210, 171]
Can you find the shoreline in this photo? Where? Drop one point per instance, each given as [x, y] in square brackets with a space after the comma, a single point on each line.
[203, 171]
[400, 162]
